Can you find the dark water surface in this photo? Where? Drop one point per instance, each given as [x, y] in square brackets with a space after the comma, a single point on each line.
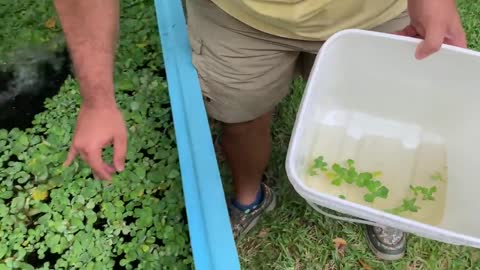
[27, 80]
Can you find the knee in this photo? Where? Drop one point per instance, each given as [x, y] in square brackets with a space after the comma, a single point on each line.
[259, 125]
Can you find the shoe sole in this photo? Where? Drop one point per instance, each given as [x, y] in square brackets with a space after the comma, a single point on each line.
[380, 255]
[255, 221]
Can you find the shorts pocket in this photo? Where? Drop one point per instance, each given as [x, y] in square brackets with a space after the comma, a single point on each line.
[196, 44]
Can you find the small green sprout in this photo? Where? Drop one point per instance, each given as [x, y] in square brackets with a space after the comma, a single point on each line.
[363, 179]
[381, 192]
[407, 205]
[339, 174]
[437, 176]
[321, 164]
[337, 181]
[347, 173]
[373, 185]
[369, 197]
[426, 192]
[318, 164]
[350, 163]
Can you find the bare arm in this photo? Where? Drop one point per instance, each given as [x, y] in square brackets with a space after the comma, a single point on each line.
[91, 30]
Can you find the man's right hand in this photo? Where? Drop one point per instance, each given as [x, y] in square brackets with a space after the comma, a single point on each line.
[91, 30]
[98, 127]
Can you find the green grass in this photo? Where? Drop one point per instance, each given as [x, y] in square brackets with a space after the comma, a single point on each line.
[295, 237]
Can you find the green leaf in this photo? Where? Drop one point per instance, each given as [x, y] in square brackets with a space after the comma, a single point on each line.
[23, 140]
[145, 217]
[156, 175]
[428, 193]
[320, 164]
[90, 205]
[437, 177]
[3, 134]
[382, 192]
[25, 266]
[173, 174]
[95, 251]
[77, 222]
[350, 163]
[91, 217]
[134, 106]
[44, 219]
[140, 172]
[22, 177]
[125, 85]
[80, 199]
[52, 241]
[351, 176]
[415, 190]
[337, 182]
[3, 210]
[109, 210]
[338, 169]
[369, 197]
[373, 185]
[18, 203]
[3, 250]
[363, 179]
[409, 205]
[6, 194]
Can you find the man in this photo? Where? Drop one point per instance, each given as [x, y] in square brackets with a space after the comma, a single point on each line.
[246, 52]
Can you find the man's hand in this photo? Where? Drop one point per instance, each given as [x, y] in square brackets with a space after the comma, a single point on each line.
[91, 30]
[97, 128]
[435, 21]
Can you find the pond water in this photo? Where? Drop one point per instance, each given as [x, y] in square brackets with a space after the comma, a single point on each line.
[26, 81]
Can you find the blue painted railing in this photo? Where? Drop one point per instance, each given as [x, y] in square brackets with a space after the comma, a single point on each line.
[212, 242]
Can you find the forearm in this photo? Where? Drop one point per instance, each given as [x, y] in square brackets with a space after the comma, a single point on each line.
[91, 30]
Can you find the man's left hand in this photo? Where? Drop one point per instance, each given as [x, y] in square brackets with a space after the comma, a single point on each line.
[437, 22]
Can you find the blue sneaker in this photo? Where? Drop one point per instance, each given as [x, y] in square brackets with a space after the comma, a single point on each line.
[242, 221]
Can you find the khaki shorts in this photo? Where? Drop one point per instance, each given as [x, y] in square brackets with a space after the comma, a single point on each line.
[245, 73]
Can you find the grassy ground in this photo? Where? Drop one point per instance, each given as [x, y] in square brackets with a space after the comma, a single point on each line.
[295, 237]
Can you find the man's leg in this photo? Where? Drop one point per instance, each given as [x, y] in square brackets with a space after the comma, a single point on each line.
[247, 150]
[243, 74]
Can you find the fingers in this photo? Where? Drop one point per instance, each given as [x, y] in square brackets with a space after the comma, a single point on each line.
[408, 31]
[72, 153]
[434, 37]
[457, 38]
[94, 158]
[119, 151]
[458, 42]
[108, 168]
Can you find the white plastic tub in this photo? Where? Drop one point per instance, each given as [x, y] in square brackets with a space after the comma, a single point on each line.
[368, 85]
